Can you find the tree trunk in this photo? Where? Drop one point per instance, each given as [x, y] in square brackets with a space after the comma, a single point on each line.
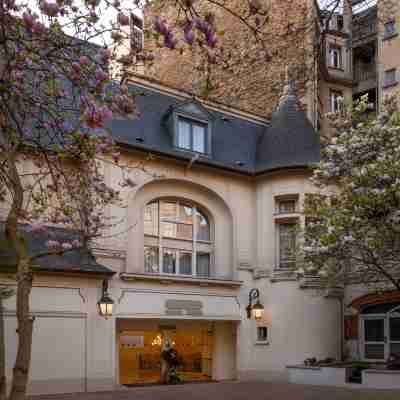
[25, 330]
[3, 391]
[24, 284]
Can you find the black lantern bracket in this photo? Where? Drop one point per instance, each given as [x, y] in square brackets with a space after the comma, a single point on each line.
[254, 303]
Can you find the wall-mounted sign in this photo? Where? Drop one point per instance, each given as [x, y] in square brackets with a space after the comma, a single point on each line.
[132, 341]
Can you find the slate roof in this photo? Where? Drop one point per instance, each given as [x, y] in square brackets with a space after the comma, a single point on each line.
[238, 144]
[77, 260]
[290, 140]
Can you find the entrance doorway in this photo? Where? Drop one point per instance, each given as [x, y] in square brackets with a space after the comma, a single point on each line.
[141, 342]
[381, 331]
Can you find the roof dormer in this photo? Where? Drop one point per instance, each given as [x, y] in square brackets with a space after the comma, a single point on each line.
[190, 125]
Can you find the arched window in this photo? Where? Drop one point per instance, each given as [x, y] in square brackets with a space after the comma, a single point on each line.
[177, 239]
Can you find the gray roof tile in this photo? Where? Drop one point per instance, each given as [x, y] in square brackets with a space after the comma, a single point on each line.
[238, 144]
[76, 260]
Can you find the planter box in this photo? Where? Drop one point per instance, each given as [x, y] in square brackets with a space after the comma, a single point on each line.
[334, 376]
[337, 376]
[381, 379]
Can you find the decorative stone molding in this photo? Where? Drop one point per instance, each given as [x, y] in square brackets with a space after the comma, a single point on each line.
[109, 253]
[283, 275]
[167, 279]
[311, 281]
[262, 273]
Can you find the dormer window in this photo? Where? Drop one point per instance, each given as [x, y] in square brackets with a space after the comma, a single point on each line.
[190, 125]
[192, 135]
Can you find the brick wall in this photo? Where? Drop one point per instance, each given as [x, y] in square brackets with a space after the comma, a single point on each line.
[252, 81]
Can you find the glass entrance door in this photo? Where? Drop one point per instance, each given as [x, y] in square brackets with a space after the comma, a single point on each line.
[140, 353]
[374, 338]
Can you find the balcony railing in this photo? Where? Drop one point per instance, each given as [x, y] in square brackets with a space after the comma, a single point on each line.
[364, 30]
[362, 74]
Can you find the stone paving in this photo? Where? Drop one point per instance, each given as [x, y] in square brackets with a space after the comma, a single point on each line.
[231, 391]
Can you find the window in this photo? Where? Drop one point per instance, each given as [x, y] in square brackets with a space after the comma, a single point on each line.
[177, 239]
[390, 29]
[286, 206]
[390, 77]
[136, 33]
[335, 56]
[151, 259]
[287, 236]
[336, 101]
[192, 135]
[262, 334]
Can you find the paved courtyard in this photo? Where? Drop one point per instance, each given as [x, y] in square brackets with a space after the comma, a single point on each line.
[232, 391]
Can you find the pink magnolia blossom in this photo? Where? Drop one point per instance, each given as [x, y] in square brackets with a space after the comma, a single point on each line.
[36, 227]
[95, 117]
[115, 156]
[53, 243]
[100, 75]
[83, 60]
[29, 19]
[123, 19]
[38, 28]
[66, 246]
[49, 9]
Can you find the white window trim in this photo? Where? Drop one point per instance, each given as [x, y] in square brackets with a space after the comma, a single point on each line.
[194, 120]
[387, 341]
[334, 49]
[336, 95]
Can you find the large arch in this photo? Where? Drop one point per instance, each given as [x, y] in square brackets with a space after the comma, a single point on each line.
[210, 202]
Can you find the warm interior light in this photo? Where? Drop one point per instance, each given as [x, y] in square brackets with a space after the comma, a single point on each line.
[258, 311]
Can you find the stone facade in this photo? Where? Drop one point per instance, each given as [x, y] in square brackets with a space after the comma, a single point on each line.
[75, 349]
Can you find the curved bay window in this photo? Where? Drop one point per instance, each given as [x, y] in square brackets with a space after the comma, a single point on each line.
[177, 239]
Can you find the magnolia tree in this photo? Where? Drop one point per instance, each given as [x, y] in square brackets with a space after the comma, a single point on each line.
[352, 233]
[57, 93]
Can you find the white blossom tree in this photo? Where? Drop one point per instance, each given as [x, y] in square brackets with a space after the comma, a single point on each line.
[352, 232]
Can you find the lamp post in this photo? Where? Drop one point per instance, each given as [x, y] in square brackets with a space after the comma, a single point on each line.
[106, 303]
[257, 309]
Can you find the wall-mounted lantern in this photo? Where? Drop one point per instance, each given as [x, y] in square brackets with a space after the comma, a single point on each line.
[256, 310]
[106, 303]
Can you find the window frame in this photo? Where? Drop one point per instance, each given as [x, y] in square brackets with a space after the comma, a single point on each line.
[278, 224]
[266, 341]
[280, 200]
[387, 34]
[387, 83]
[193, 120]
[333, 100]
[180, 245]
[335, 49]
